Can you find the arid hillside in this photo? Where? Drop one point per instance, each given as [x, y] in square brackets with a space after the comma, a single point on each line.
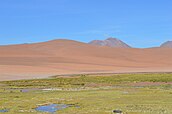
[57, 57]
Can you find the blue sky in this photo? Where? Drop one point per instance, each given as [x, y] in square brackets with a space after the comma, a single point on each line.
[140, 23]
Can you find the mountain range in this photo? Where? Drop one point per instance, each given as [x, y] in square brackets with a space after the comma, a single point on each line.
[114, 42]
[63, 57]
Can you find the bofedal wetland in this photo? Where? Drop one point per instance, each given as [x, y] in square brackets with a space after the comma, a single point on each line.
[98, 94]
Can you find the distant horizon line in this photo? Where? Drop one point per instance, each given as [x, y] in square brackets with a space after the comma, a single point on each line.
[83, 42]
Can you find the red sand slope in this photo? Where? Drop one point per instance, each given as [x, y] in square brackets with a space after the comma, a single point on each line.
[70, 57]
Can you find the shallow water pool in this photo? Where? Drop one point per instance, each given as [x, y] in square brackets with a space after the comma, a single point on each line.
[4, 110]
[51, 108]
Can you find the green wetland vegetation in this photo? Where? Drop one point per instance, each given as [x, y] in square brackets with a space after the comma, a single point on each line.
[90, 94]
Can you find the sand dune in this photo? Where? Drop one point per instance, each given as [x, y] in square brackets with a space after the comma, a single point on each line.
[56, 57]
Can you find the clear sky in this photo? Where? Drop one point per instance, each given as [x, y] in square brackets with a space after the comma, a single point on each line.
[140, 23]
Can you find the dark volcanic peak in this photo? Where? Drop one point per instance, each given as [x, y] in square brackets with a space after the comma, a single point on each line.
[167, 44]
[110, 42]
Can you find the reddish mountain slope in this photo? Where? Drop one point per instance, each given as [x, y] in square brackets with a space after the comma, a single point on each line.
[70, 57]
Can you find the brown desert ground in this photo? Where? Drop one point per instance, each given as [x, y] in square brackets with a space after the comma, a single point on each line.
[60, 57]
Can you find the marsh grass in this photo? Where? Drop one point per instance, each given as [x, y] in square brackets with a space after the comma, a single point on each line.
[83, 80]
[131, 100]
